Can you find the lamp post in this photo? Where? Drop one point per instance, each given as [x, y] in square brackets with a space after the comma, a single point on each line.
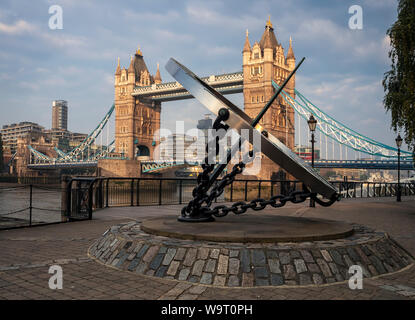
[312, 123]
[398, 144]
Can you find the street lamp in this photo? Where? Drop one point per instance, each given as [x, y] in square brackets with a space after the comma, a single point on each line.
[312, 123]
[398, 144]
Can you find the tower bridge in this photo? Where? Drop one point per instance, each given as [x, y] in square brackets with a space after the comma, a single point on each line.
[138, 98]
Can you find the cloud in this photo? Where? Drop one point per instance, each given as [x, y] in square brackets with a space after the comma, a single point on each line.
[204, 15]
[19, 27]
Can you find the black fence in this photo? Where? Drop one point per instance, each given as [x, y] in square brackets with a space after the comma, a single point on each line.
[87, 194]
[29, 205]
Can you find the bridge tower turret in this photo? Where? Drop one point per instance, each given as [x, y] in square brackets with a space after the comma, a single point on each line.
[262, 63]
[136, 121]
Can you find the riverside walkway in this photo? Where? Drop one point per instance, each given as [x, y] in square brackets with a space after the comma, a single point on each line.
[26, 255]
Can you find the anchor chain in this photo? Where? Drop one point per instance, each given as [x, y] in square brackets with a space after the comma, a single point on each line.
[200, 212]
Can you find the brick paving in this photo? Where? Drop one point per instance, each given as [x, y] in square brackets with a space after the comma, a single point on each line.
[26, 255]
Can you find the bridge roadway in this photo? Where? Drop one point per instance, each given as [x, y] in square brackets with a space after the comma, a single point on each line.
[169, 91]
[154, 166]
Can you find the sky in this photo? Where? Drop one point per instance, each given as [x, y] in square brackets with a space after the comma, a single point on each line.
[342, 73]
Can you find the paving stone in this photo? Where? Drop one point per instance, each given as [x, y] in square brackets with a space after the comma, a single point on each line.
[233, 281]
[289, 272]
[333, 268]
[197, 289]
[276, 280]
[151, 252]
[363, 257]
[272, 254]
[137, 247]
[206, 278]
[131, 256]
[258, 257]
[203, 253]
[133, 264]
[317, 279]
[234, 266]
[122, 260]
[156, 261]
[184, 273]
[274, 265]
[247, 279]
[290, 282]
[365, 271]
[210, 265]
[219, 281]
[161, 271]
[233, 253]
[245, 261]
[150, 273]
[348, 261]
[173, 268]
[372, 270]
[295, 254]
[261, 282]
[307, 256]
[330, 280]
[324, 267]
[378, 264]
[215, 253]
[171, 252]
[194, 279]
[224, 251]
[388, 267]
[337, 257]
[326, 255]
[142, 266]
[300, 265]
[284, 257]
[222, 264]
[198, 267]
[127, 245]
[316, 253]
[190, 257]
[261, 272]
[313, 268]
[305, 279]
[163, 250]
[339, 277]
[352, 254]
[180, 254]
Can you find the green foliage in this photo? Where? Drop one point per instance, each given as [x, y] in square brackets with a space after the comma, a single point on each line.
[399, 82]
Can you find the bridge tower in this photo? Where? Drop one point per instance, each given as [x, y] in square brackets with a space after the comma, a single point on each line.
[136, 121]
[263, 62]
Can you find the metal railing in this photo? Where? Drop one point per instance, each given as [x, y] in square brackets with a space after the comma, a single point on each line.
[29, 205]
[88, 194]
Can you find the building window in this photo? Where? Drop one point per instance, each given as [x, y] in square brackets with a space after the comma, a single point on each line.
[256, 55]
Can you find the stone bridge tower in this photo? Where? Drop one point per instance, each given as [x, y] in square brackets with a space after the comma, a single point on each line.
[263, 62]
[136, 122]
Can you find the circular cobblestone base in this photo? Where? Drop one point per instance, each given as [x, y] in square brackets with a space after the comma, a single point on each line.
[128, 247]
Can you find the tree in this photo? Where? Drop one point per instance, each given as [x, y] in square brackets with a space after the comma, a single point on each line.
[399, 82]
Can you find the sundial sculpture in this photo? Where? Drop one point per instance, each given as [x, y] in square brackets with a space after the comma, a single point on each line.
[230, 116]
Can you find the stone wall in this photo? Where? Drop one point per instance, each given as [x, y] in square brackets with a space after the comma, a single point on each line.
[119, 168]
